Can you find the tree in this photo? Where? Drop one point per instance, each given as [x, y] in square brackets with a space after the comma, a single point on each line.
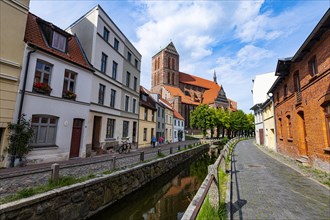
[20, 135]
[202, 118]
[251, 126]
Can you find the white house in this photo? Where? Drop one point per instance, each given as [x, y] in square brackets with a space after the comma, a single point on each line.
[114, 110]
[178, 126]
[261, 85]
[55, 88]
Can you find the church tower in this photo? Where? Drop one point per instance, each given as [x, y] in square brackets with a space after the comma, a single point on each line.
[165, 68]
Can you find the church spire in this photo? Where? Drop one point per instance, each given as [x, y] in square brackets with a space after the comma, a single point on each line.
[215, 78]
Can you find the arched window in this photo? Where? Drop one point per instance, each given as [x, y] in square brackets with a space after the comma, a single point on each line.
[289, 126]
[158, 62]
[280, 130]
[172, 78]
[168, 77]
[173, 63]
[169, 62]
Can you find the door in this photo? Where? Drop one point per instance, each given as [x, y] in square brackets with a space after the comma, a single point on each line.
[96, 132]
[134, 132]
[76, 137]
[303, 149]
[261, 136]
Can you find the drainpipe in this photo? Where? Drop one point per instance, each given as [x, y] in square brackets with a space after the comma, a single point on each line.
[273, 106]
[24, 84]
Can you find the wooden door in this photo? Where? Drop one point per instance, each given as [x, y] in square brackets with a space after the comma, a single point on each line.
[261, 136]
[96, 132]
[76, 137]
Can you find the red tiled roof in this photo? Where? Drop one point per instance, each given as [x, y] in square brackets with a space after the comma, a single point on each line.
[34, 37]
[177, 115]
[167, 104]
[175, 91]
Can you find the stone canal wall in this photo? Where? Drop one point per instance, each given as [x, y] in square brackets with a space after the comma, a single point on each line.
[82, 200]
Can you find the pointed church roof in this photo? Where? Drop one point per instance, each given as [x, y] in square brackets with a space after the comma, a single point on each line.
[171, 48]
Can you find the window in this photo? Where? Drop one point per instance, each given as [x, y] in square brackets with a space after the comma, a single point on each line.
[59, 41]
[104, 62]
[169, 62]
[128, 76]
[278, 96]
[43, 72]
[125, 128]
[145, 114]
[113, 98]
[144, 97]
[158, 62]
[114, 70]
[312, 66]
[116, 44]
[163, 113]
[44, 130]
[129, 56]
[153, 116]
[296, 79]
[280, 130]
[158, 125]
[136, 63]
[145, 131]
[175, 122]
[134, 105]
[110, 128]
[166, 120]
[105, 34]
[170, 132]
[285, 90]
[158, 111]
[101, 94]
[69, 82]
[168, 77]
[126, 103]
[135, 83]
[173, 63]
[175, 134]
[327, 120]
[163, 125]
[289, 126]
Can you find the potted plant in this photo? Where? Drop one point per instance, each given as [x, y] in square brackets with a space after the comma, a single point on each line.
[19, 138]
[43, 88]
[67, 94]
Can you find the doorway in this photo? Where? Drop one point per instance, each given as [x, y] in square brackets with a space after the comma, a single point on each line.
[134, 132]
[261, 136]
[76, 137]
[96, 132]
[303, 148]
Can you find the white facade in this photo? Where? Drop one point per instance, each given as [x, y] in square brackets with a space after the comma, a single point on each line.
[261, 86]
[53, 143]
[178, 125]
[110, 121]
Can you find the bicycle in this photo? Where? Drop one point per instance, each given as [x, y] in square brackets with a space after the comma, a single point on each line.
[125, 146]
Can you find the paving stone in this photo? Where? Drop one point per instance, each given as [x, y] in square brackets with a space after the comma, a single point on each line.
[264, 188]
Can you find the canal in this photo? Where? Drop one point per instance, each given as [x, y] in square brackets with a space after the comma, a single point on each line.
[167, 197]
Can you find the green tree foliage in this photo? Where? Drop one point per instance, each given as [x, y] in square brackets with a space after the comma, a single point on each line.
[234, 123]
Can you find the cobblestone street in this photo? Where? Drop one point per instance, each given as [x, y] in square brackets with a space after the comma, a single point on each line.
[264, 188]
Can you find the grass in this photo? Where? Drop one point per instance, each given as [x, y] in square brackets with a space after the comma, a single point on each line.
[207, 211]
[28, 192]
[160, 155]
[223, 179]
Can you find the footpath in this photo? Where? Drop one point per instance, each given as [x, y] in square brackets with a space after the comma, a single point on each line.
[265, 188]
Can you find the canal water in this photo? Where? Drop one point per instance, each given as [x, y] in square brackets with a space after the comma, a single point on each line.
[167, 197]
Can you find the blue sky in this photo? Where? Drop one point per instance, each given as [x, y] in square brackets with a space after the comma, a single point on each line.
[237, 39]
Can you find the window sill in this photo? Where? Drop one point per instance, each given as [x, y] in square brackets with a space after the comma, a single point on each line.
[44, 147]
[327, 150]
[313, 78]
[281, 139]
[110, 139]
[290, 139]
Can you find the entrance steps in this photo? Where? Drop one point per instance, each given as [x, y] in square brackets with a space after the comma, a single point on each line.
[304, 160]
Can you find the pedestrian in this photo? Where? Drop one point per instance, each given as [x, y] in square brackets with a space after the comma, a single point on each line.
[160, 140]
[153, 141]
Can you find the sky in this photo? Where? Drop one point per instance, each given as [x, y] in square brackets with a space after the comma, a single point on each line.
[236, 39]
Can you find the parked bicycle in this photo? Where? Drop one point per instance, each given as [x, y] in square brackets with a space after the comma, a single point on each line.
[125, 146]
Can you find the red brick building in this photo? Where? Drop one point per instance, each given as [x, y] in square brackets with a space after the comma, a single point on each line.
[302, 99]
[184, 91]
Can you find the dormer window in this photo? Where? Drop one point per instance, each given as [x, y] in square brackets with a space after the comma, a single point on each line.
[59, 41]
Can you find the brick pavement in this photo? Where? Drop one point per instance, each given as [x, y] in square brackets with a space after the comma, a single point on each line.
[264, 188]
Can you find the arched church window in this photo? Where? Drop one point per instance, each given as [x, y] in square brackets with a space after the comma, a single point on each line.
[169, 63]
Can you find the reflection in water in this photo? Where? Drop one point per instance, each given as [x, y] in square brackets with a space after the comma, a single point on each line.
[167, 197]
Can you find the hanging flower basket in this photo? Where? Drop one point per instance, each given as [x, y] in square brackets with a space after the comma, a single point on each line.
[42, 88]
[69, 95]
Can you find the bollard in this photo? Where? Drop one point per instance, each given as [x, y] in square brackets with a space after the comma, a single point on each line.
[142, 156]
[185, 146]
[159, 151]
[171, 150]
[113, 162]
[55, 174]
[179, 148]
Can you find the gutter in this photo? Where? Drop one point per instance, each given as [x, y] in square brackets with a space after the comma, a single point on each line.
[24, 84]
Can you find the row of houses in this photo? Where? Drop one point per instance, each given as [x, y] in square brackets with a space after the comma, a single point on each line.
[292, 105]
[80, 87]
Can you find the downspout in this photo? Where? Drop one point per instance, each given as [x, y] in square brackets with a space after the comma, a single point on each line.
[24, 85]
[273, 108]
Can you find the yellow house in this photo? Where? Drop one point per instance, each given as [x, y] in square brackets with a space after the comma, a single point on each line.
[147, 118]
[13, 16]
[168, 121]
[269, 124]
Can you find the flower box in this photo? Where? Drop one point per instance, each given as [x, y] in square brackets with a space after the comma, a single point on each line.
[42, 88]
[69, 95]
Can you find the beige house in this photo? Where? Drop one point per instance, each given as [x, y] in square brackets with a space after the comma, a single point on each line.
[269, 124]
[13, 15]
[147, 119]
[168, 121]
